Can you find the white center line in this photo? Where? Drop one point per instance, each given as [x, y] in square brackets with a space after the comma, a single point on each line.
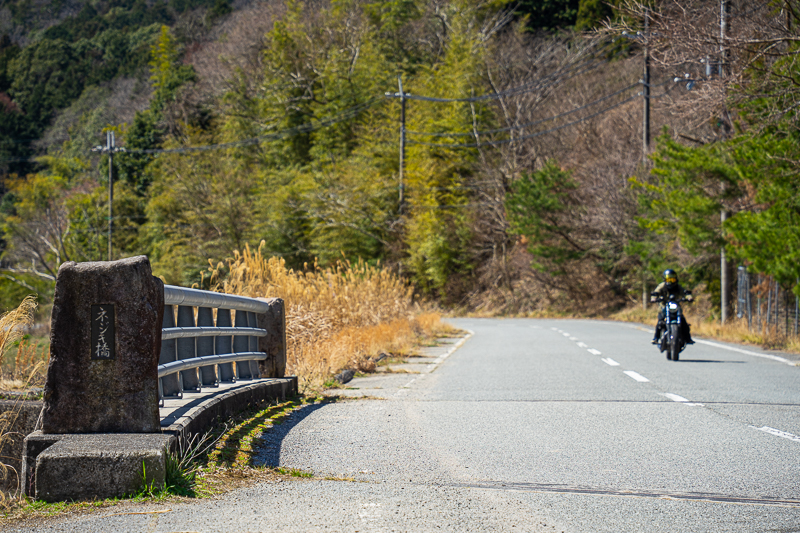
[636, 376]
[609, 361]
[594, 352]
[582, 345]
[778, 433]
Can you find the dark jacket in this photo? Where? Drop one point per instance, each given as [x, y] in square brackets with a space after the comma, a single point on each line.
[663, 291]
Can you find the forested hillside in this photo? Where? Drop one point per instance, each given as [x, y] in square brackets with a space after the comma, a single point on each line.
[523, 185]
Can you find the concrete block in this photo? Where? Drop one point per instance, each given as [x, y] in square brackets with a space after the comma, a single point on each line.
[34, 444]
[20, 419]
[89, 466]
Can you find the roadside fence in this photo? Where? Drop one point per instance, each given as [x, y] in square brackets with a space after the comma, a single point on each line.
[768, 308]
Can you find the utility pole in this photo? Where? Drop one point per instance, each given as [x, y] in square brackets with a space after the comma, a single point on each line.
[645, 127]
[402, 140]
[402, 95]
[110, 148]
[724, 22]
[646, 90]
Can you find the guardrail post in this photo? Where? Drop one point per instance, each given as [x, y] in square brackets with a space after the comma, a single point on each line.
[187, 348]
[169, 386]
[252, 322]
[242, 344]
[274, 343]
[205, 346]
[223, 345]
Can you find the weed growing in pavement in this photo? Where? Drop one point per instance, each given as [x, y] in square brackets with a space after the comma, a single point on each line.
[293, 472]
[237, 443]
[337, 317]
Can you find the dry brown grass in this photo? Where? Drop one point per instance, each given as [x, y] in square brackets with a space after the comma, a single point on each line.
[26, 369]
[13, 323]
[12, 326]
[337, 317]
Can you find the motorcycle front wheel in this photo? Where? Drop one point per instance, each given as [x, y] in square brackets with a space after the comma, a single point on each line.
[674, 343]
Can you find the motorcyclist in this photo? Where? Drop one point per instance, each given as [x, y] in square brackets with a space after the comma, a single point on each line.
[670, 286]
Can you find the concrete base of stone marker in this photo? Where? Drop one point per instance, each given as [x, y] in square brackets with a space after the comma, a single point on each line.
[93, 466]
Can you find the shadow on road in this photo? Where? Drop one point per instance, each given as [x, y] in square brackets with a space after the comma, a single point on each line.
[269, 453]
[682, 360]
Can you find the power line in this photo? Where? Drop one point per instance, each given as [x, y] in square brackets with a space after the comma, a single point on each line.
[540, 133]
[531, 136]
[575, 69]
[303, 128]
[528, 124]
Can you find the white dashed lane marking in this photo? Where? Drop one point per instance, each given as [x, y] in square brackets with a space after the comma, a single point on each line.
[609, 361]
[594, 352]
[635, 375]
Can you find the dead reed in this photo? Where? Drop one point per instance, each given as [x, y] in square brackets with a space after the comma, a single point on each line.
[12, 326]
[336, 317]
[14, 322]
[27, 366]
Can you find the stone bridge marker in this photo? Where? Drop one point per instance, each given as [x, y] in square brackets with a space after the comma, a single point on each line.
[102, 378]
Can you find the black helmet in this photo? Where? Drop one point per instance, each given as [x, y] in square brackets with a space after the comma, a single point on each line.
[670, 277]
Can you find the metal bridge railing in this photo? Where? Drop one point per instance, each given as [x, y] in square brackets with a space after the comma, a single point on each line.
[205, 346]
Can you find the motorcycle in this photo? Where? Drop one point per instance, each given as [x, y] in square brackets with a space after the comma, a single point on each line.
[672, 339]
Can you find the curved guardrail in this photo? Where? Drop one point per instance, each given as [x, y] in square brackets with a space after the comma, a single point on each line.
[208, 338]
[182, 333]
[195, 297]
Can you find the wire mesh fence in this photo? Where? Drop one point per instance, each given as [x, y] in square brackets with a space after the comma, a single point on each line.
[768, 308]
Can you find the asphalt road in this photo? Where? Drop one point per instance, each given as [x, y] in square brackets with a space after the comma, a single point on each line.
[531, 425]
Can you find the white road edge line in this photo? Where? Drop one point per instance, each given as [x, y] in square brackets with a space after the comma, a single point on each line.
[675, 397]
[746, 352]
[635, 375]
[594, 352]
[609, 361]
[431, 367]
[455, 347]
[778, 433]
[732, 349]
